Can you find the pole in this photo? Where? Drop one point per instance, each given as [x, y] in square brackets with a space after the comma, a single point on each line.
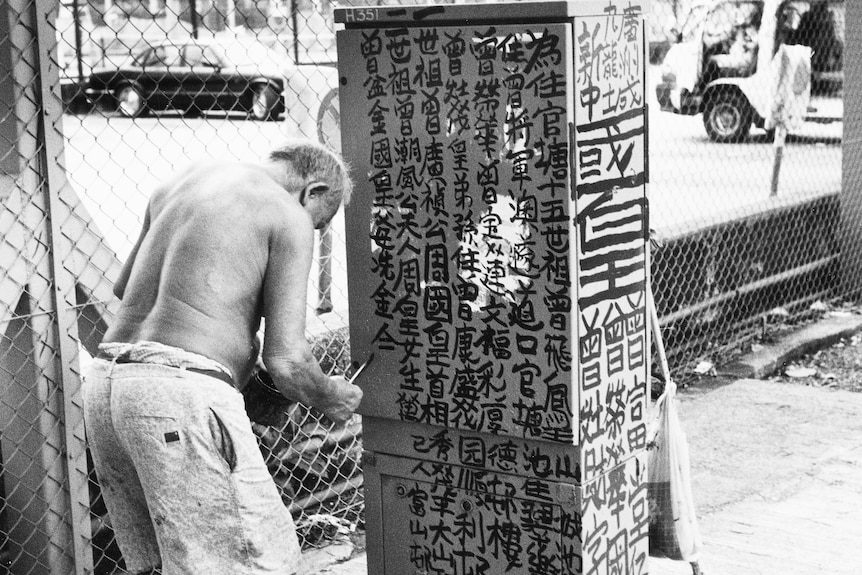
[295, 23]
[779, 114]
[193, 9]
[76, 19]
[778, 144]
[231, 14]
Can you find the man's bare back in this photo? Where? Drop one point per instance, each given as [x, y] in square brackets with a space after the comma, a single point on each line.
[222, 246]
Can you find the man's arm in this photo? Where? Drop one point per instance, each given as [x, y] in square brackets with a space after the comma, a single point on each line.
[286, 353]
[123, 280]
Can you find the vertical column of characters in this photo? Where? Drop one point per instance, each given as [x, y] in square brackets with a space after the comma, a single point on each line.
[385, 197]
[611, 228]
[478, 390]
[537, 154]
[395, 151]
[434, 181]
[459, 102]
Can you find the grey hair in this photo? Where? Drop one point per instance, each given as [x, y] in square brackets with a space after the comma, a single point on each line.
[311, 161]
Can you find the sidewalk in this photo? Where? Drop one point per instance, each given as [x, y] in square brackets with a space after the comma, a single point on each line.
[777, 477]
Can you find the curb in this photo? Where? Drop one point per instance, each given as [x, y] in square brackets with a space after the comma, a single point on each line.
[772, 357]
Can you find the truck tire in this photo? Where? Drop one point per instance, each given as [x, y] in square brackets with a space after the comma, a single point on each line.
[727, 117]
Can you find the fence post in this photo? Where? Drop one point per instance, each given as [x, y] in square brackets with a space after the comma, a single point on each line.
[63, 366]
[9, 164]
[44, 455]
[851, 193]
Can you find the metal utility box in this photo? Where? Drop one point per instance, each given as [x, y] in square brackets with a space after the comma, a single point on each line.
[497, 265]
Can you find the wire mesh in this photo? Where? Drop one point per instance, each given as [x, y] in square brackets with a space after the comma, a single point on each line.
[746, 220]
[148, 86]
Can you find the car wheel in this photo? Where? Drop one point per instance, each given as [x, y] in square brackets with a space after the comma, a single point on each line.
[727, 118]
[130, 101]
[264, 103]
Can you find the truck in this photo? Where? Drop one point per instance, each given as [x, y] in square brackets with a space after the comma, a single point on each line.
[721, 64]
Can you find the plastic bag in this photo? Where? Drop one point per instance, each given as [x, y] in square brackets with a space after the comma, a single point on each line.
[673, 529]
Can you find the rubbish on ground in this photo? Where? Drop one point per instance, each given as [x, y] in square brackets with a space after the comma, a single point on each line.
[819, 306]
[778, 312]
[797, 371]
[705, 368]
[316, 528]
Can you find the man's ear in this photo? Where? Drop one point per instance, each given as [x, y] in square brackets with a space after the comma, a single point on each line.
[313, 191]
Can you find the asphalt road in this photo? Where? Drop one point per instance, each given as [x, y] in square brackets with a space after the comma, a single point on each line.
[694, 182]
[115, 162]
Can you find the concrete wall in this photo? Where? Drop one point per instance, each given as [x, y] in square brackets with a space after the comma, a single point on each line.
[851, 196]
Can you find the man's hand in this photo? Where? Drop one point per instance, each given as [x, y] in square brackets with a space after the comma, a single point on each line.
[343, 400]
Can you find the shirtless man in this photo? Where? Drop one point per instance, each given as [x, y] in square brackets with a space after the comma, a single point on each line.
[222, 246]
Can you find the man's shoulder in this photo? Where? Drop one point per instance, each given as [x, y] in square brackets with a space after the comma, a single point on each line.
[211, 181]
[241, 192]
[290, 219]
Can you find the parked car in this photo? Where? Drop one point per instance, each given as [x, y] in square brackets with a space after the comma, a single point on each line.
[722, 67]
[196, 75]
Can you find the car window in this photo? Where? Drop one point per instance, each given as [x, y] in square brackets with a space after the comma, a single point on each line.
[212, 56]
[159, 56]
[196, 55]
[145, 57]
[249, 54]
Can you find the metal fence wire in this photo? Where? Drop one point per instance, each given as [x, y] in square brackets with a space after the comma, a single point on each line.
[102, 99]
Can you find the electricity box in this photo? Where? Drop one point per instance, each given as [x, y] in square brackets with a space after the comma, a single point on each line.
[498, 266]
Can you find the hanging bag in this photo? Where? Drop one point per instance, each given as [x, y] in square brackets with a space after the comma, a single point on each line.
[673, 530]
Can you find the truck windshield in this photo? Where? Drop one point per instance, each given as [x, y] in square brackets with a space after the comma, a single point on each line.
[730, 40]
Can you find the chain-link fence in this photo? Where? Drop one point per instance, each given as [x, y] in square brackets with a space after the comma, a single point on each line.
[747, 237]
[746, 172]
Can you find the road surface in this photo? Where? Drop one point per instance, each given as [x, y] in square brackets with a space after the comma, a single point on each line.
[113, 163]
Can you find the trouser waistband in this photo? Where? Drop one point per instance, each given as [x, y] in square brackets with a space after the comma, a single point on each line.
[220, 375]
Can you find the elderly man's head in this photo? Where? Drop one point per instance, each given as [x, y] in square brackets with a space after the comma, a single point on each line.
[318, 175]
